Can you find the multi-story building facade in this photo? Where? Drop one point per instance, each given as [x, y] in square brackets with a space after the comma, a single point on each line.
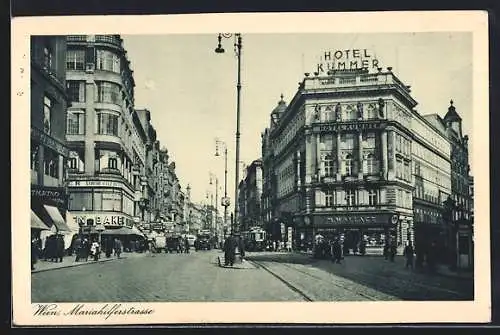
[460, 227]
[102, 134]
[49, 152]
[253, 182]
[343, 152]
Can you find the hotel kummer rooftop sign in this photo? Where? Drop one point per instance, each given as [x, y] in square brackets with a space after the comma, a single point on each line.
[348, 59]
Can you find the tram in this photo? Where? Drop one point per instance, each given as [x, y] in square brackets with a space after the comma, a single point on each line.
[254, 239]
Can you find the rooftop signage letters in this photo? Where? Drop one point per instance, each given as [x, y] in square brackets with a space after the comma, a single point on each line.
[349, 59]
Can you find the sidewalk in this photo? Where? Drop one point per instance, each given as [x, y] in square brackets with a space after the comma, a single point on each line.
[69, 261]
[441, 269]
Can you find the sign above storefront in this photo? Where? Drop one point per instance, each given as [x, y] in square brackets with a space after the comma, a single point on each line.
[354, 220]
[101, 219]
[49, 195]
[349, 59]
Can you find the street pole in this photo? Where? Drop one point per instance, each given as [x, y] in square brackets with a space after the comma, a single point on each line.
[238, 46]
[225, 185]
[238, 91]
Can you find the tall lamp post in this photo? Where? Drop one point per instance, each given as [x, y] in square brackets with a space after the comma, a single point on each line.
[237, 49]
[216, 197]
[225, 201]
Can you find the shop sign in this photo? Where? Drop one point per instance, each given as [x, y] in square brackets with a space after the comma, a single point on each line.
[45, 194]
[351, 126]
[100, 219]
[94, 183]
[289, 233]
[49, 142]
[355, 219]
[349, 59]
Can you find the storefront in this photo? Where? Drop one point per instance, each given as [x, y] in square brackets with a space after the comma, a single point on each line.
[48, 204]
[374, 228]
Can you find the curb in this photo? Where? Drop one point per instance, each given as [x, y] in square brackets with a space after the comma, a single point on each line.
[77, 264]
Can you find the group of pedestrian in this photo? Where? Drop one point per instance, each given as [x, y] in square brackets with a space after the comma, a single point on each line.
[85, 248]
[54, 248]
[230, 244]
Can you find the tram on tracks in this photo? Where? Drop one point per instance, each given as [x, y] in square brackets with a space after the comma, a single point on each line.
[254, 239]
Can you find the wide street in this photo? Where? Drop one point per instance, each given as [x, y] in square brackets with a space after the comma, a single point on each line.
[266, 277]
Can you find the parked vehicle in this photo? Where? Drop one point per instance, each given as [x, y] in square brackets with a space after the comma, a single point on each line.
[160, 243]
[173, 244]
[191, 240]
[203, 242]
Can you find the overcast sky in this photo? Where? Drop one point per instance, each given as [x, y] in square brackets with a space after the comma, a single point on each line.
[191, 91]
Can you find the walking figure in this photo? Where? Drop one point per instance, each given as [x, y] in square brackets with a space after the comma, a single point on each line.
[336, 251]
[409, 254]
[229, 250]
[118, 247]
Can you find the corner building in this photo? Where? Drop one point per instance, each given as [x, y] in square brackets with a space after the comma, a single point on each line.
[107, 153]
[343, 152]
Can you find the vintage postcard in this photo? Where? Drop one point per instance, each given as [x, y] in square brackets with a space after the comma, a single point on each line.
[251, 168]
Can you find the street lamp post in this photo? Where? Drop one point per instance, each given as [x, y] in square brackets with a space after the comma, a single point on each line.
[219, 49]
[216, 197]
[225, 203]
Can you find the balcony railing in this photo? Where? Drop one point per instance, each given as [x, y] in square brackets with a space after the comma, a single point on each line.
[111, 39]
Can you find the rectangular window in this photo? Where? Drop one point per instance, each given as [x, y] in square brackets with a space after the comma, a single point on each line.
[108, 92]
[350, 197]
[75, 122]
[76, 90]
[47, 114]
[108, 61]
[329, 166]
[372, 197]
[107, 124]
[79, 201]
[47, 57]
[51, 163]
[34, 156]
[112, 201]
[75, 60]
[348, 165]
[329, 198]
[112, 163]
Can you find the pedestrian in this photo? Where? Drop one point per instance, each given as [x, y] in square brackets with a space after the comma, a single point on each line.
[229, 250]
[409, 253]
[95, 250]
[392, 250]
[34, 253]
[118, 247]
[362, 247]
[336, 251]
[59, 248]
[186, 245]
[77, 246]
[241, 247]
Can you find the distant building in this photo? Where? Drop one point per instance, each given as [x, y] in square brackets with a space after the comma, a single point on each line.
[49, 152]
[251, 196]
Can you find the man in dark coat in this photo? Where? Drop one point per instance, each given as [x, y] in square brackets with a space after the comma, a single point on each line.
[409, 254]
[59, 248]
[336, 251]
[241, 247]
[229, 250]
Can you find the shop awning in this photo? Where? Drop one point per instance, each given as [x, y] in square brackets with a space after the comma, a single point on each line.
[37, 223]
[57, 218]
[122, 231]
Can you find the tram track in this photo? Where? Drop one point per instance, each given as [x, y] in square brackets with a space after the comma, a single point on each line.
[305, 295]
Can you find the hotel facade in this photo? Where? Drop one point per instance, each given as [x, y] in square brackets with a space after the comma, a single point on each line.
[351, 156]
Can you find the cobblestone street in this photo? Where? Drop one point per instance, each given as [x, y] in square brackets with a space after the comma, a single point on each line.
[266, 277]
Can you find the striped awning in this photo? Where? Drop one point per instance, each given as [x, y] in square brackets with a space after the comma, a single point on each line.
[57, 218]
[37, 223]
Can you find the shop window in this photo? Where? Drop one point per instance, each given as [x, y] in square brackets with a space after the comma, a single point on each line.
[75, 122]
[75, 60]
[372, 197]
[47, 114]
[79, 201]
[111, 201]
